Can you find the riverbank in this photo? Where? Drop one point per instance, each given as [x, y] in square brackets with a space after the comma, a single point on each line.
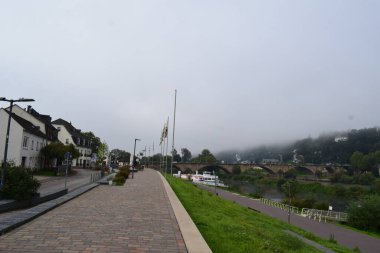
[229, 227]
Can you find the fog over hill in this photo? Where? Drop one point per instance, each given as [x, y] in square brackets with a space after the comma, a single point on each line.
[334, 147]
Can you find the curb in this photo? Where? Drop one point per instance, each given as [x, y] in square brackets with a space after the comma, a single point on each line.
[25, 216]
[194, 241]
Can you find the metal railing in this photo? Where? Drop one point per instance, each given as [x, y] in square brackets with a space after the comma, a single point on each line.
[95, 176]
[280, 205]
[320, 215]
[323, 215]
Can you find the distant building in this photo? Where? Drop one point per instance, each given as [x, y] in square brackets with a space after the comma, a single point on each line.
[68, 134]
[270, 161]
[26, 137]
[341, 139]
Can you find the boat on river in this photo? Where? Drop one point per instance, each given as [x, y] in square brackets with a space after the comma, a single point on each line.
[208, 179]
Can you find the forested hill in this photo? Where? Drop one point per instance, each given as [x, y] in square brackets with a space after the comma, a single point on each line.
[329, 148]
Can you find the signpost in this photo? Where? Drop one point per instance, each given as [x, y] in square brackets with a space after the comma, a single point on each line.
[68, 157]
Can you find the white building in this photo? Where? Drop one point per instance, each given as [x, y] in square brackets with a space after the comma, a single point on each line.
[25, 140]
[68, 134]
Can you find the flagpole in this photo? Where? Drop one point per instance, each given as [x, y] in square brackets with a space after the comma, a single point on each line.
[153, 155]
[162, 149]
[167, 144]
[161, 158]
[175, 107]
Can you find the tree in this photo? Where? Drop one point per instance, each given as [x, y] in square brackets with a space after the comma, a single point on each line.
[186, 155]
[290, 188]
[368, 162]
[365, 214]
[102, 152]
[357, 160]
[176, 156]
[95, 141]
[56, 150]
[205, 157]
[120, 155]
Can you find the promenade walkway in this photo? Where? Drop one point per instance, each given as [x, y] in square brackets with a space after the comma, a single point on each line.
[136, 217]
[344, 236]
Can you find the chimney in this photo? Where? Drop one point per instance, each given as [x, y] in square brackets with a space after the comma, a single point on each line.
[29, 108]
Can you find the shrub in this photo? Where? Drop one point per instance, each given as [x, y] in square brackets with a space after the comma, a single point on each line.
[364, 179]
[365, 214]
[375, 187]
[19, 184]
[339, 191]
[321, 205]
[124, 171]
[119, 179]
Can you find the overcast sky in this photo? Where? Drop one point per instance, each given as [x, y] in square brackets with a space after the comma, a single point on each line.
[247, 72]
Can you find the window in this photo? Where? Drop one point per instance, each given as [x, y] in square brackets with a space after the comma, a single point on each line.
[37, 146]
[31, 147]
[67, 141]
[25, 142]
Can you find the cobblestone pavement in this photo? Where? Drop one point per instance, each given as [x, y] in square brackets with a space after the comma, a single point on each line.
[136, 217]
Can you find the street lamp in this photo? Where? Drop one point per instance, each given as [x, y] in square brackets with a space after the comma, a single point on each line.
[7, 136]
[133, 159]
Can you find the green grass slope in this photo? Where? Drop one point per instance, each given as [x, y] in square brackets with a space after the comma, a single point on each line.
[229, 227]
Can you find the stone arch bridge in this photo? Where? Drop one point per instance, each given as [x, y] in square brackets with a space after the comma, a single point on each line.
[270, 168]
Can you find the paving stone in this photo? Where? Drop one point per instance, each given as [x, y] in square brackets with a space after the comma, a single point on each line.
[136, 217]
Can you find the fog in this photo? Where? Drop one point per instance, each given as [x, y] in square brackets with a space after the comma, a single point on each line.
[247, 72]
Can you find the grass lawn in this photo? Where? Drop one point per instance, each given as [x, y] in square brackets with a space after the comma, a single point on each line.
[229, 227]
[47, 173]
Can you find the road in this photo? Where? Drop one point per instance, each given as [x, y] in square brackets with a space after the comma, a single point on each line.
[54, 184]
[82, 177]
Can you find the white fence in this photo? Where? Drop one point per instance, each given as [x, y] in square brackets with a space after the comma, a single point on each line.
[320, 215]
[323, 215]
[280, 205]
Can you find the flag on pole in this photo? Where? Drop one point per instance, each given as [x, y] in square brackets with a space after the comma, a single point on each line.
[166, 131]
[163, 134]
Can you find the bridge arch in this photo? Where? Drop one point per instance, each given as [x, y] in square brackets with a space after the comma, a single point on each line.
[212, 167]
[303, 170]
[267, 169]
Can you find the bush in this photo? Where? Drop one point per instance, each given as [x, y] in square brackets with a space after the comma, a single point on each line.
[364, 179]
[119, 179]
[19, 184]
[124, 171]
[365, 214]
[375, 187]
[321, 205]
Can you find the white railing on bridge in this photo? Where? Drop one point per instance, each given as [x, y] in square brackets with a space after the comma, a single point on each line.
[320, 215]
[323, 215]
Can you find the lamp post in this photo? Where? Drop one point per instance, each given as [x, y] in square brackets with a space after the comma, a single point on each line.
[8, 128]
[133, 159]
